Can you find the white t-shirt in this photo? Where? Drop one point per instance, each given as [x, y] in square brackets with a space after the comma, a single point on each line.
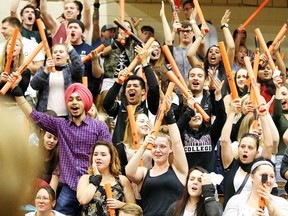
[34, 213]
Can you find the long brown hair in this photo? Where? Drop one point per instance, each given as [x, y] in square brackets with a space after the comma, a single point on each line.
[181, 204]
[114, 167]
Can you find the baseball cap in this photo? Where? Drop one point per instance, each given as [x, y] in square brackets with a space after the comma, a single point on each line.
[107, 27]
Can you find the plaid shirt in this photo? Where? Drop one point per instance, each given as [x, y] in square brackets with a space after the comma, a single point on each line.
[75, 143]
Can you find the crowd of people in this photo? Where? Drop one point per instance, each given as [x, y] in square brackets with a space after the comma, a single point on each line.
[109, 137]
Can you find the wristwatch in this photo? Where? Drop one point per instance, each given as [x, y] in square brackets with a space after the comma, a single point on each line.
[225, 25]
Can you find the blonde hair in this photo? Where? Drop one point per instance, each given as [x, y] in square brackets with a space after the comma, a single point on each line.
[4, 54]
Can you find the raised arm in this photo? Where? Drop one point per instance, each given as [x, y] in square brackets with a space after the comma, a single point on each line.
[96, 68]
[266, 131]
[50, 22]
[135, 173]
[226, 148]
[86, 17]
[166, 27]
[96, 28]
[228, 37]
[201, 51]
[13, 8]
[191, 53]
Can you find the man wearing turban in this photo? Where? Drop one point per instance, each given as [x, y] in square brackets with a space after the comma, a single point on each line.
[76, 137]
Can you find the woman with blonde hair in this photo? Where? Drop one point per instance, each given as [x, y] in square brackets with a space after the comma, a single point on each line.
[163, 184]
[104, 169]
[17, 61]
[51, 86]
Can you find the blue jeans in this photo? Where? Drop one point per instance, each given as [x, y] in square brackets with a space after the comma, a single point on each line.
[67, 202]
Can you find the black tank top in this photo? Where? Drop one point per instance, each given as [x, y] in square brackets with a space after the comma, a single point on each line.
[159, 192]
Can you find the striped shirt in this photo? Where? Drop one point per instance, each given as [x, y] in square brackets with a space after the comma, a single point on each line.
[75, 143]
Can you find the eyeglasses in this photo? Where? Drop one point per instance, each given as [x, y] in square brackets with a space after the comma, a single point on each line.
[184, 30]
[42, 198]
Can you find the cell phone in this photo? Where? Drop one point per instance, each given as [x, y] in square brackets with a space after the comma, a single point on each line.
[264, 178]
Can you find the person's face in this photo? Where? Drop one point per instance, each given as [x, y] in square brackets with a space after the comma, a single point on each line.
[247, 150]
[28, 17]
[70, 11]
[242, 52]
[156, 50]
[160, 150]
[194, 184]
[101, 157]
[241, 77]
[196, 121]
[76, 106]
[264, 169]
[196, 80]
[17, 49]
[43, 201]
[185, 35]
[214, 56]
[284, 93]
[134, 92]
[187, 10]
[93, 111]
[7, 30]
[142, 124]
[60, 55]
[147, 35]
[50, 141]
[265, 74]
[243, 37]
[75, 33]
[109, 33]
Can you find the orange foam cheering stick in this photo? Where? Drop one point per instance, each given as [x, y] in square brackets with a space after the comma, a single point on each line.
[279, 36]
[85, 81]
[252, 79]
[184, 90]
[228, 70]
[161, 112]
[21, 69]
[88, 57]
[254, 14]
[265, 49]
[173, 64]
[108, 191]
[11, 50]
[200, 15]
[132, 123]
[44, 40]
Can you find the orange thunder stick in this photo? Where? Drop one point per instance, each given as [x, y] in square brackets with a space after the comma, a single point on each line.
[228, 70]
[11, 50]
[88, 57]
[44, 40]
[132, 123]
[252, 79]
[184, 90]
[254, 14]
[85, 81]
[108, 191]
[173, 64]
[161, 112]
[8, 85]
[265, 49]
[200, 14]
[279, 36]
